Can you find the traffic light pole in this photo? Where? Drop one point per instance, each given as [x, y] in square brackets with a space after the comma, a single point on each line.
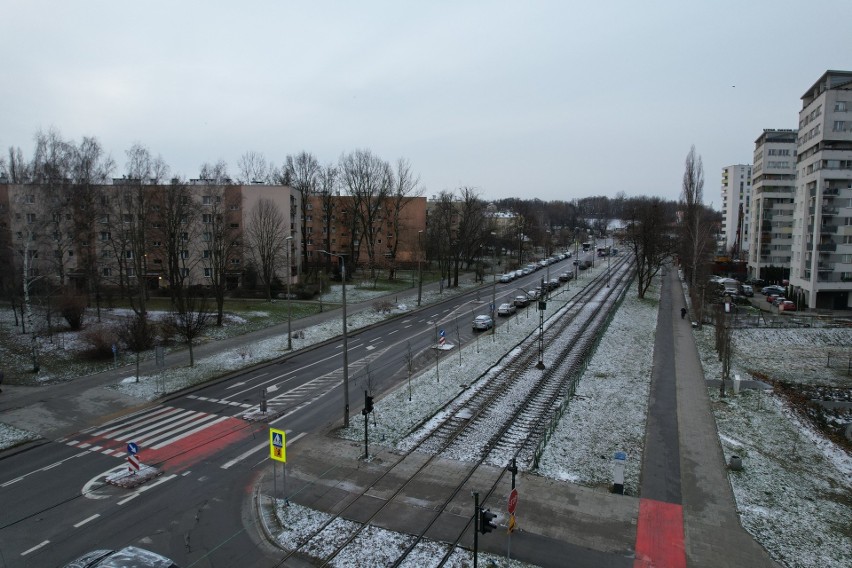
[475, 527]
[368, 408]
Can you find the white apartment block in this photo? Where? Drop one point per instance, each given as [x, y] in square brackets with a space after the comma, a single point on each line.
[736, 206]
[821, 265]
[773, 188]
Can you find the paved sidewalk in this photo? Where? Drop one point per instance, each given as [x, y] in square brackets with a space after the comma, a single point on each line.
[713, 534]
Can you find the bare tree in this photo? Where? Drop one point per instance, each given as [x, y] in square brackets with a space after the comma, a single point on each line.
[302, 171]
[16, 168]
[215, 174]
[648, 239]
[327, 181]
[177, 218]
[220, 205]
[130, 214]
[441, 232]
[189, 317]
[253, 168]
[696, 233]
[368, 180]
[265, 237]
[405, 187]
[471, 231]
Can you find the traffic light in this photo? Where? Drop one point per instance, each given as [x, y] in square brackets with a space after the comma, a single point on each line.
[368, 403]
[486, 520]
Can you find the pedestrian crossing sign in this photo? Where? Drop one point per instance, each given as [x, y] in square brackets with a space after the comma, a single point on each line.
[277, 445]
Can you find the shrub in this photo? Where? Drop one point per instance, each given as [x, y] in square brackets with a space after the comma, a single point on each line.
[73, 308]
[99, 342]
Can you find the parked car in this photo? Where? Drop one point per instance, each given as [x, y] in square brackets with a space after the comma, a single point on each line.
[772, 297]
[129, 556]
[534, 294]
[777, 301]
[506, 309]
[566, 276]
[481, 323]
[772, 289]
[522, 301]
[747, 290]
[507, 277]
[787, 306]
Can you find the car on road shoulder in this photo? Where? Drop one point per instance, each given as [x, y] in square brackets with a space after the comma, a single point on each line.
[127, 557]
[772, 289]
[747, 290]
[787, 306]
[506, 278]
[481, 323]
[506, 309]
[522, 301]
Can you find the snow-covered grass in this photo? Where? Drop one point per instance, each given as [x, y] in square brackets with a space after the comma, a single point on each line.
[11, 436]
[794, 493]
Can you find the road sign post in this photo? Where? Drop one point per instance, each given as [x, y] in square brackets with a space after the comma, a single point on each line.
[132, 459]
[278, 452]
[513, 503]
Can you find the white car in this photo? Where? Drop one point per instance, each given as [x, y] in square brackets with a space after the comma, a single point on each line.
[482, 323]
[506, 278]
[506, 309]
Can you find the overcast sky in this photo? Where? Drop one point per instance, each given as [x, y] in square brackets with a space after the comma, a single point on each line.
[555, 100]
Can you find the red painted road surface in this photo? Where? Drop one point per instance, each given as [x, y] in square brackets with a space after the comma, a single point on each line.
[659, 535]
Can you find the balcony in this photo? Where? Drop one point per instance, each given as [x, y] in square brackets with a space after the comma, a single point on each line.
[825, 267]
[829, 211]
[827, 247]
[831, 191]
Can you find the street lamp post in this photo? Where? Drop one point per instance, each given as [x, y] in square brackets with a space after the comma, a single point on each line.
[419, 268]
[493, 281]
[608, 255]
[576, 253]
[345, 342]
[289, 242]
[547, 258]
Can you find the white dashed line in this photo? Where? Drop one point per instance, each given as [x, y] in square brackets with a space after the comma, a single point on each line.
[84, 521]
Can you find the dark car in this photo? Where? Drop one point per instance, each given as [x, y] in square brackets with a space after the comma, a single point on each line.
[522, 301]
[772, 289]
[127, 557]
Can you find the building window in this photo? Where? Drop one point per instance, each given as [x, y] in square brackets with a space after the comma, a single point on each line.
[128, 254]
[131, 272]
[105, 235]
[29, 199]
[19, 235]
[206, 237]
[840, 106]
[184, 236]
[106, 272]
[207, 218]
[31, 218]
[157, 244]
[184, 254]
[839, 126]
[207, 200]
[184, 272]
[205, 253]
[208, 272]
[106, 253]
[235, 225]
[235, 261]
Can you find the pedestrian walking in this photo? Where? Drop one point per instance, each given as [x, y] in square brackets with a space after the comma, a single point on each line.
[682, 313]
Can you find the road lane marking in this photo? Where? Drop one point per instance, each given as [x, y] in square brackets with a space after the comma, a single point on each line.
[392, 331]
[247, 453]
[36, 547]
[127, 499]
[84, 521]
[11, 481]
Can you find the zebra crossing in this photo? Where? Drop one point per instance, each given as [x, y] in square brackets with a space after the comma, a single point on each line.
[152, 428]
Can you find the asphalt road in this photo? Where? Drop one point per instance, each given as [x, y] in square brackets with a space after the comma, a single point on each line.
[198, 512]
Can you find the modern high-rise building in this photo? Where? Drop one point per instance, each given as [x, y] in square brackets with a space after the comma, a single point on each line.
[736, 205]
[821, 266]
[773, 188]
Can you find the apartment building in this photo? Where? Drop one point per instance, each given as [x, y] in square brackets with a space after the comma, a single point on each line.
[331, 224]
[736, 207]
[821, 265]
[773, 189]
[106, 236]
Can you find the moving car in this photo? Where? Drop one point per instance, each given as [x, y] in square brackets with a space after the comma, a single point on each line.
[127, 557]
[482, 323]
[506, 309]
[522, 301]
